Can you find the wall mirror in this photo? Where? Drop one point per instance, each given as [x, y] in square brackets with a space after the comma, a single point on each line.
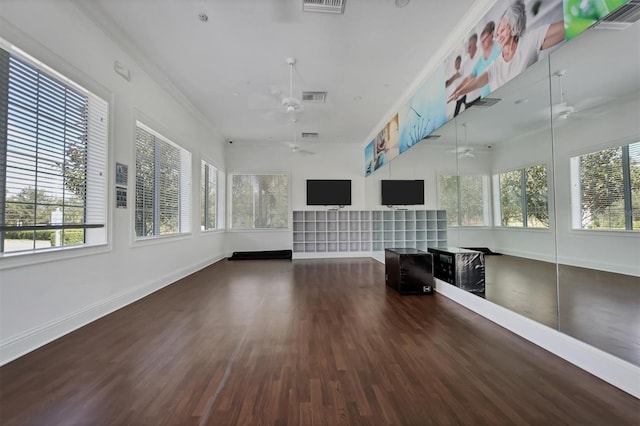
[549, 176]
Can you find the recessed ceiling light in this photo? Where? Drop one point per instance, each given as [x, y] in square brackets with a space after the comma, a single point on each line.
[357, 98]
[402, 3]
[203, 17]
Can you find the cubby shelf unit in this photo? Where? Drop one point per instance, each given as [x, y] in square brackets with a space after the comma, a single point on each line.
[352, 233]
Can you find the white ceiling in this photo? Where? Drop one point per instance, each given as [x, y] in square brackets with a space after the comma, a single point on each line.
[229, 67]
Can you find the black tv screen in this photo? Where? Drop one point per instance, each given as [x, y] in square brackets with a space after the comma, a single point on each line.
[402, 192]
[328, 192]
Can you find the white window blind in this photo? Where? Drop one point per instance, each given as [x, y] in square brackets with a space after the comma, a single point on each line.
[609, 188]
[53, 158]
[163, 185]
[208, 196]
[259, 201]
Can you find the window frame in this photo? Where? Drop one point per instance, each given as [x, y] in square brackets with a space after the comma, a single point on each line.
[97, 236]
[486, 200]
[524, 196]
[203, 202]
[229, 186]
[185, 198]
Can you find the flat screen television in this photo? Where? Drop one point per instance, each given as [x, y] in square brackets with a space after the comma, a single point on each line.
[402, 192]
[323, 192]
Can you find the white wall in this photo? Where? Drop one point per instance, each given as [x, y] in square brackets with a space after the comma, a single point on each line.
[330, 161]
[46, 295]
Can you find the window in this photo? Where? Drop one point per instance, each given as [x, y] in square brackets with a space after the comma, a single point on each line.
[473, 202]
[259, 201]
[163, 185]
[53, 155]
[606, 189]
[208, 196]
[523, 197]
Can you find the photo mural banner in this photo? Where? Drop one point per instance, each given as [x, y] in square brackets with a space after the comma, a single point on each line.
[508, 39]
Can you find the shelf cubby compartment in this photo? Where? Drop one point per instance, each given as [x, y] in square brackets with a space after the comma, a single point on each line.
[379, 246]
[442, 225]
[354, 226]
[376, 215]
[409, 235]
[421, 225]
[410, 215]
[321, 226]
[298, 247]
[431, 215]
[354, 215]
[442, 235]
[365, 246]
[321, 236]
[343, 215]
[309, 236]
[398, 226]
[354, 246]
[365, 216]
[343, 246]
[332, 247]
[422, 245]
[298, 216]
[432, 235]
[421, 214]
[377, 235]
[398, 215]
[421, 235]
[332, 216]
[387, 225]
[298, 226]
[365, 226]
[410, 225]
[309, 247]
[309, 226]
[398, 235]
[321, 216]
[332, 226]
[321, 247]
[354, 236]
[388, 244]
[309, 216]
[365, 236]
[343, 226]
[387, 215]
[343, 236]
[388, 235]
[441, 214]
[298, 237]
[410, 244]
[332, 236]
[376, 226]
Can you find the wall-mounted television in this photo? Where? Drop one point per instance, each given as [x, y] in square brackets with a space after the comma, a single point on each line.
[402, 192]
[323, 192]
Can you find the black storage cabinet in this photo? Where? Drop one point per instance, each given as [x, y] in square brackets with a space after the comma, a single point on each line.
[460, 267]
[408, 270]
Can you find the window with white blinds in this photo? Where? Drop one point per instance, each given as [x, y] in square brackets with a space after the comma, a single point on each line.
[606, 189]
[53, 156]
[163, 185]
[208, 196]
[523, 198]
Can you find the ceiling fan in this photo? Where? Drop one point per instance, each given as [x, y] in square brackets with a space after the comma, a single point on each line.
[274, 100]
[294, 146]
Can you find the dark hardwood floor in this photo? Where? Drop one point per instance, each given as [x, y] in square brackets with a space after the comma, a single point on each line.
[302, 342]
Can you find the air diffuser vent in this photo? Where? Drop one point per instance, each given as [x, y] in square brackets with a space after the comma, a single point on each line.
[314, 97]
[620, 18]
[324, 6]
[309, 135]
[432, 136]
[486, 102]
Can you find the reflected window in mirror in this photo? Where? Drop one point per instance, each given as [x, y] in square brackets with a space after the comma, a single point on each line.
[606, 189]
[523, 198]
[472, 207]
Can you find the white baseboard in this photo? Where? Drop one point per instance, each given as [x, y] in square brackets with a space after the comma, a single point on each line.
[607, 367]
[332, 255]
[18, 346]
[632, 270]
[527, 254]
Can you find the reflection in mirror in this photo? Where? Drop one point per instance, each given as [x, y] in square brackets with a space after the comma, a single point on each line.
[596, 131]
[505, 184]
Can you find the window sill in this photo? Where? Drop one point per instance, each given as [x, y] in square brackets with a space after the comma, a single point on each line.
[260, 230]
[606, 232]
[149, 241]
[34, 257]
[520, 229]
[205, 232]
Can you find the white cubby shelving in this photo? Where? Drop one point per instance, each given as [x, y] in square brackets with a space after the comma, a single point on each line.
[326, 233]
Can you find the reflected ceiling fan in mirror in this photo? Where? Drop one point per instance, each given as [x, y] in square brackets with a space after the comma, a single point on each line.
[465, 151]
[294, 146]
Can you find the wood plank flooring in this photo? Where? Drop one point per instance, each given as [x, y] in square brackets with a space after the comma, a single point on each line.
[300, 343]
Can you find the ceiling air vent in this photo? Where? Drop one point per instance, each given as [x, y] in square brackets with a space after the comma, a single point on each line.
[431, 136]
[620, 18]
[315, 97]
[486, 102]
[324, 6]
[309, 135]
